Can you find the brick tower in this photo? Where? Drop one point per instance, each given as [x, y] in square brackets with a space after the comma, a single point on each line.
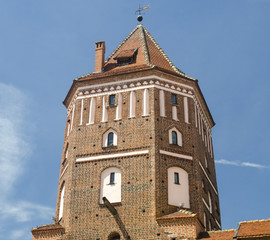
[138, 132]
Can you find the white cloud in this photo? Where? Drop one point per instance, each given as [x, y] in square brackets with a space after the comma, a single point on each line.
[254, 165]
[226, 162]
[25, 211]
[15, 149]
[13, 145]
[20, 234]
[241, 164]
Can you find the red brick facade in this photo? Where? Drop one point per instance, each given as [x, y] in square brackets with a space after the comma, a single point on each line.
[143, 152]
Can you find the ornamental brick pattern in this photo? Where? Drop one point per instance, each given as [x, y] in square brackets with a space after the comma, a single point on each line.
[143, 152]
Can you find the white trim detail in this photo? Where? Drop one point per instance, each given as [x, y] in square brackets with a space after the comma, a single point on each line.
[100, 157]
[118, 112]
[81, 117]
[210, 202]
[153, 77]
[145, 102]
[132, 104]
[179, 137]
[155, 81]
[162, 104]
[208, 178]
[178, 155]
[174, 113]
[61, 205]
[178, 193]
[72, 118]
[68, 128]
[218, 223]
[105, 138]
[206, 204]
[196, 116]
[186, 109]
[104, 110]
[112, 191]
[126, 89]
[92, 110]
[199, 121]
[63, 171]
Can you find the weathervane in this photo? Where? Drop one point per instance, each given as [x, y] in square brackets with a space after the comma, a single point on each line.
[140, 18]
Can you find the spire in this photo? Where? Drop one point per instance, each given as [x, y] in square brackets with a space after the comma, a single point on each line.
[149, 52]
[138, 51]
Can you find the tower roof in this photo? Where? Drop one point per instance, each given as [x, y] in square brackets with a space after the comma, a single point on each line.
[138, 51]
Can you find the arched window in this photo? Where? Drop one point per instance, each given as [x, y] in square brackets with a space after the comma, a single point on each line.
[109, 138]
[114, 236]
[175, 137]
[61, 205]
[178, 187]
[111, 185]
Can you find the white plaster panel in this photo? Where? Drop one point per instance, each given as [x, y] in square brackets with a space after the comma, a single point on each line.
[178, 194]
[111, 191]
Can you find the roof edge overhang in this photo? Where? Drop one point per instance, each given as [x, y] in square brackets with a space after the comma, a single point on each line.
[93, 76]
[76, 83]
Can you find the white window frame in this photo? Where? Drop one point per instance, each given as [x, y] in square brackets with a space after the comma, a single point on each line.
[105, 138]
[61, 204]
[179, 137]
[178, 194]
[111, 191]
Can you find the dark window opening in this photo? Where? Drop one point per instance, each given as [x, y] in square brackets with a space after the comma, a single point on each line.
[176, 178]
[112, 100]
[114, 236]
[126, 57]
[110, 139]
[174, 138]
[174, 99]
[112, 178]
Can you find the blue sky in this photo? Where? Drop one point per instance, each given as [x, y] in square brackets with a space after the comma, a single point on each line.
[44, 45]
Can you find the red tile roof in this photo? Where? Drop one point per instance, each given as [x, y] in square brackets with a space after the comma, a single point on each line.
[149, 54]
[258, 228]
[218, 235]
[179, 214]
[49, 227]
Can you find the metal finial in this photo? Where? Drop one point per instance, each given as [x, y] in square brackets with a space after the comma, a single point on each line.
[140, 18]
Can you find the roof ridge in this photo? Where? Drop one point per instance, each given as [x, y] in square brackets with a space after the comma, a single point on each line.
[251, 221]
[177, 70]
[47, 225]
[187, 212]
[226, 230]
[163, 53]
[145, 47]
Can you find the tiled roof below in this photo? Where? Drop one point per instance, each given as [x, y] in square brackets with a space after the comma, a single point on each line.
[258, 228]
[179, 214]
[217, 235]
[53, 226]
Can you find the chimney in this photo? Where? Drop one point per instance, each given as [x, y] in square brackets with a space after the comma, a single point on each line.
[100, 53]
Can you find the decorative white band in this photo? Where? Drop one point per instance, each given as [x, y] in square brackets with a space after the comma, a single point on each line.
[178, 155]
[117, 155]
[64, 171]
[208, 178]
[218, 223]
[206, 205]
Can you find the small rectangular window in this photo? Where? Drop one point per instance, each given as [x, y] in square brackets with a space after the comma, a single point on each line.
[176, 178]
[112, 178]
[112, 100]
[174, 99]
